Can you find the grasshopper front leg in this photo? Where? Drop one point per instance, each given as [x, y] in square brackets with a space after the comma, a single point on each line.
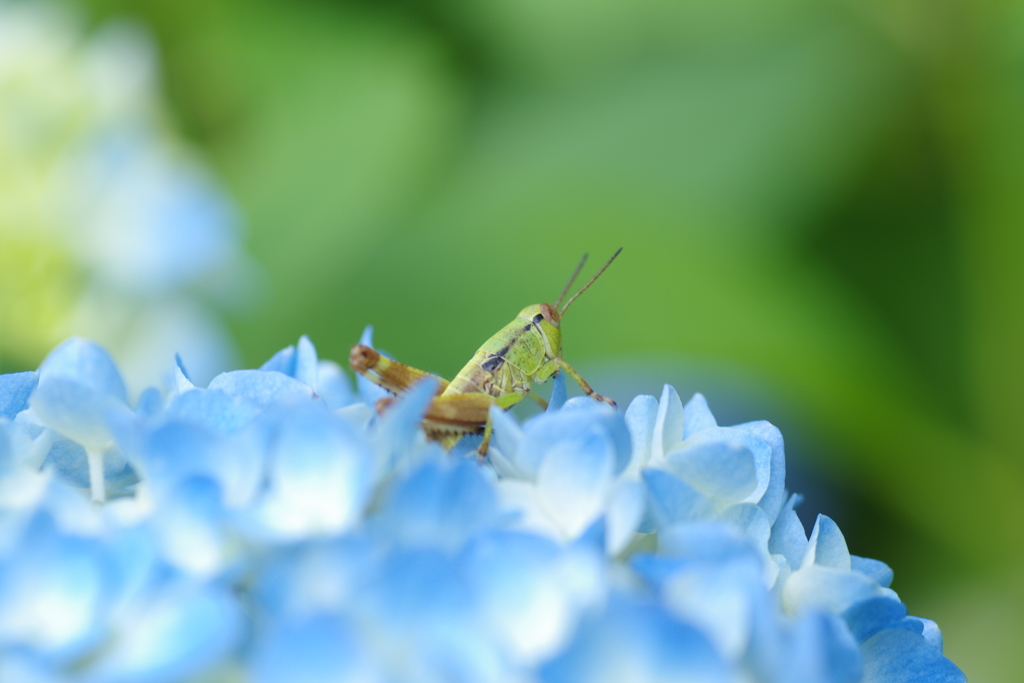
[564, 365]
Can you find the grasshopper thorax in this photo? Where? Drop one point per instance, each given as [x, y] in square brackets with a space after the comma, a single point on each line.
[547, 320]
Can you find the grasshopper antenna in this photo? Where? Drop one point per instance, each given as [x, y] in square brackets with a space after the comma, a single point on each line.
[596, 275]
[571, 280]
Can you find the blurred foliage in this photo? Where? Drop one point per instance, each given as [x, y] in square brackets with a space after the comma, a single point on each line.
[822, 195]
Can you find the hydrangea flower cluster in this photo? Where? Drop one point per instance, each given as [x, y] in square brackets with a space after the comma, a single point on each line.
[110, 225]
[272, 527]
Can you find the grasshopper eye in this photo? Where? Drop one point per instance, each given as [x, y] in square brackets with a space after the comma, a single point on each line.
[549, 313]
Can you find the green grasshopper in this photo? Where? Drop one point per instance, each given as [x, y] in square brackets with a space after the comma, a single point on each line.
[527, 350]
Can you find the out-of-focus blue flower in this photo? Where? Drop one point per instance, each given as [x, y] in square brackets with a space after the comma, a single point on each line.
[275, 528]
[110, 226]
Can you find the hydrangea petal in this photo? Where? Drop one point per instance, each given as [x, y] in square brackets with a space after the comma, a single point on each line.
[321, 649]
[306, 362]
[333, 385]
[15, 388]
[774, 495]
[188, 528]
[182, 632]
[826, 588]
[868, 617]
[826, 546]
[625, 511]
[740, 436]
[559, 393]
[901, 656]
[640, 417]
[51, 591]
[439, 503]
[874, 569]
[212, 409]
[319, 471]
[87, 364]
[788, 536]
[638, 643]
[262, 388]
[820, 649]
[717, 598]
[697, 416]
[506, 439]
[574, 480]
[522, 598]
[722, 471]
[75, 410]
[671, 500]
[668, 425]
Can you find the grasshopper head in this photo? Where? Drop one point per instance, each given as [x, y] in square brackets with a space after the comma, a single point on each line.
[547, 319]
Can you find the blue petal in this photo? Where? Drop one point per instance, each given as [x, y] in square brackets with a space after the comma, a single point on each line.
[52, 591]
[875, 569]
[315, 576]
[439, 504]
[188, 527]
[321, 649]
[318, 474]
[181, 633]
[69, 460]
[901, 656]
[306, 362]
[516, 580]
[775, 494]
[559, 394]
[507, 437]
[740, 436]
[698, 416]
[820, 649]
[212, 409]
[929, 629]
[707, 541]
[668, 425]
[87, 364]
[574, 481]
[724, 472]
[399, 428]
[262, 388]
[333, 385]
[826, 547]
[788, 537]
[15, 389]
[826, 588]
[638, 643]
[868, 617]
[718, 598]
[625, 512]
[283, 361]
[75, 410]
[150, 402]
[671, 500]
[570, 427]
[180, 365]
[640, 417]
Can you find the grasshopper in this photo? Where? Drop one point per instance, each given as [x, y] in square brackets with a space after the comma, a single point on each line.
[527, 350]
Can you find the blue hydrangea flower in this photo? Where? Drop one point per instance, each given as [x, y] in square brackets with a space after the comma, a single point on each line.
[112, 226]
[274, 527]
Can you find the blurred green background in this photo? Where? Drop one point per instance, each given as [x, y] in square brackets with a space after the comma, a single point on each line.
[821, 205]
